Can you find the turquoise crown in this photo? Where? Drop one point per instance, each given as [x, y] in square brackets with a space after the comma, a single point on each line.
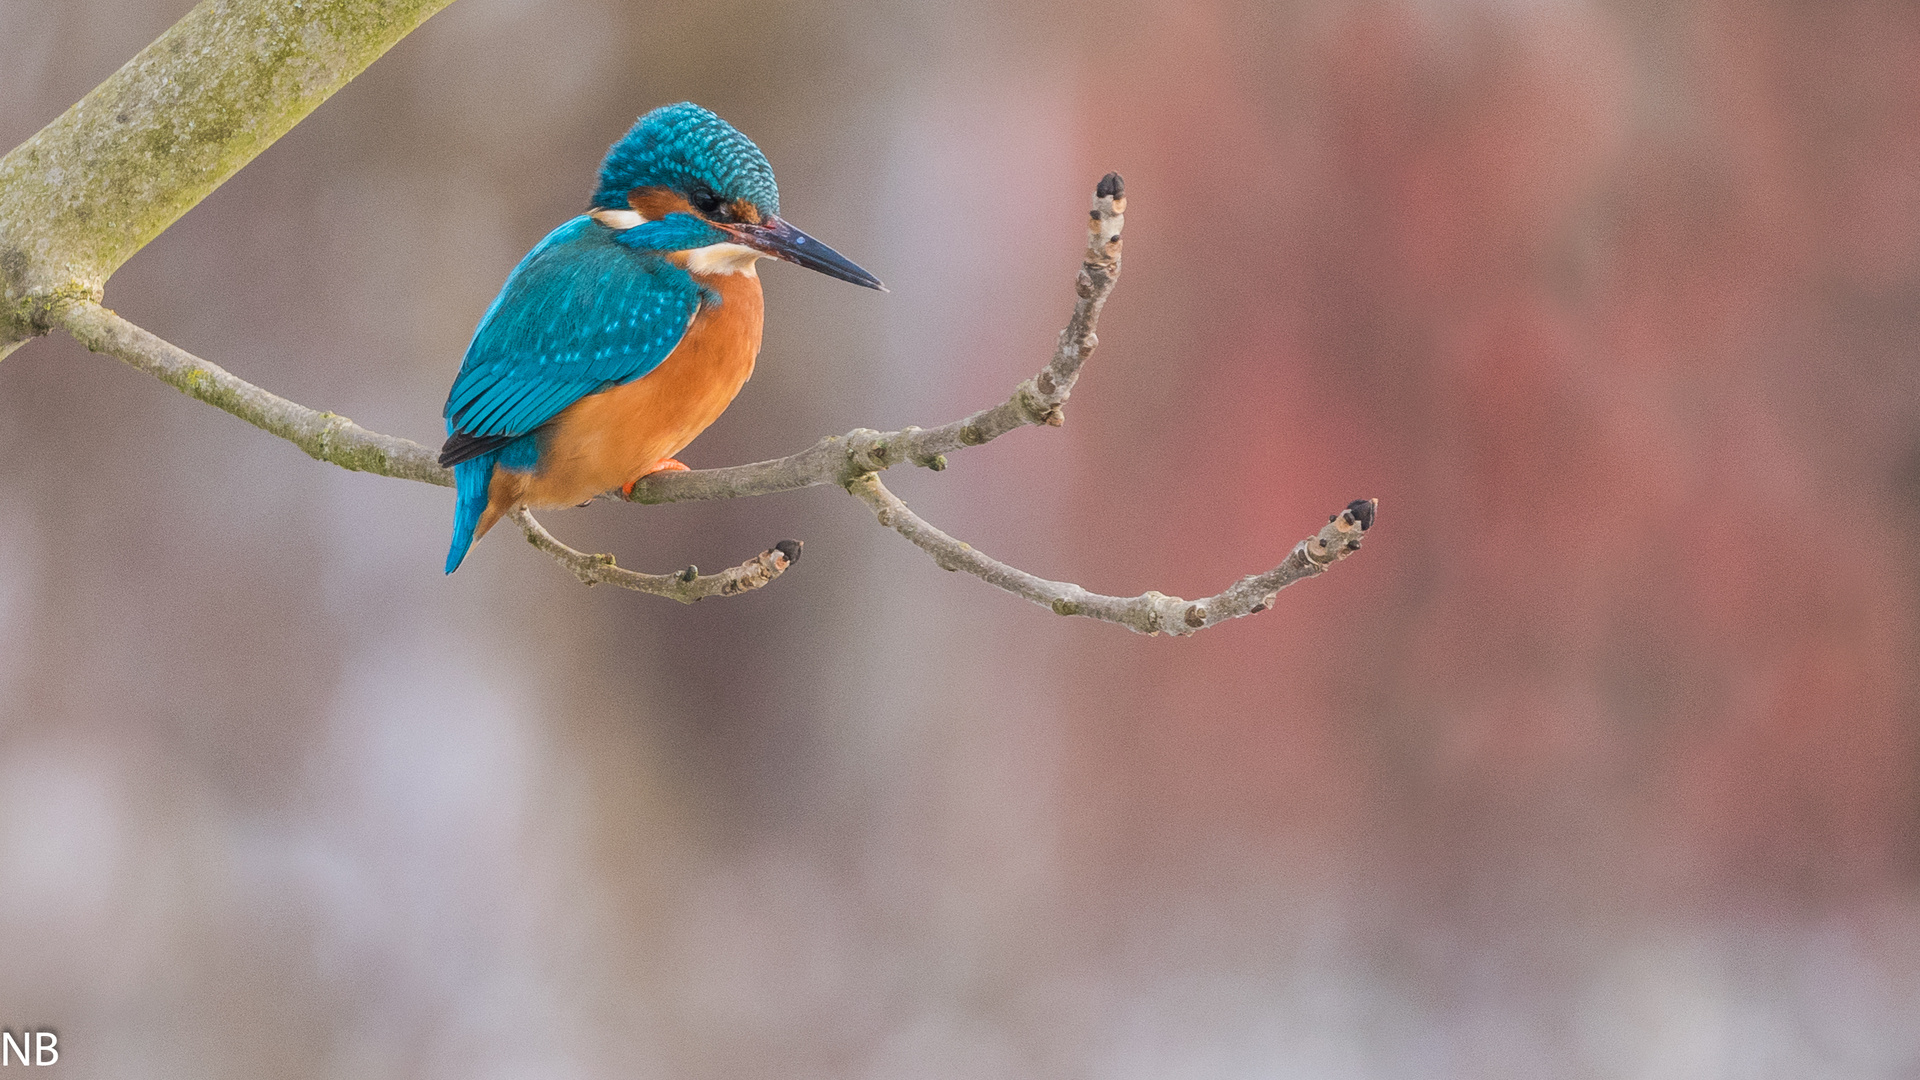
[686, 148]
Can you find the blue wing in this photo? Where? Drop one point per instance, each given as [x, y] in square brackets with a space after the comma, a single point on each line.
[581, 312]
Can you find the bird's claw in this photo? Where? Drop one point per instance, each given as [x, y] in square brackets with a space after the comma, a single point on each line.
[665, 464]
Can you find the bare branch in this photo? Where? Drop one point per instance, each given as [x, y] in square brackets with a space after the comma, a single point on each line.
[333, 438]
[686, 586]
[842, 459]
[323, 435]
[106, 177]
[851, 461]
[1150, 612]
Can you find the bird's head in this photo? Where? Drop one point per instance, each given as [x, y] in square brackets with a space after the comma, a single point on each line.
[683, 165]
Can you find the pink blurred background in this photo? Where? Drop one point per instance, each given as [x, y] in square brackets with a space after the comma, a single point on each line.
[1599, 761]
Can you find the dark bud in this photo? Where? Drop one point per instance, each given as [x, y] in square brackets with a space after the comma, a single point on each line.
[1362, 511]
[789, 548]
[1111, 186]
[689, 574]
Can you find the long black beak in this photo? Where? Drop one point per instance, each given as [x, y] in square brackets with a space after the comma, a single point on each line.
[782, 241]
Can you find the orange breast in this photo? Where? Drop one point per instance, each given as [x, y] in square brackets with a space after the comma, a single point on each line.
[607, 440]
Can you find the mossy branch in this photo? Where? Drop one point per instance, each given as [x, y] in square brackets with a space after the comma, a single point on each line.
[159, 135]
[324, 436]
[850, 461]
[97, 184]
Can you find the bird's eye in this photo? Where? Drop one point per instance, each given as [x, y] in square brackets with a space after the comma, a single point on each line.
[709, 204]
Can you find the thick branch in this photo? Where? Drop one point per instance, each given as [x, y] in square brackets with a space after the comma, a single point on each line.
[1148, 613]
[106, 177]
[110, 174]
[686, 586]
[841, 459]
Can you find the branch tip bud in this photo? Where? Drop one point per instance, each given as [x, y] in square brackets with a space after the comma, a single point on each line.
[1362, 511]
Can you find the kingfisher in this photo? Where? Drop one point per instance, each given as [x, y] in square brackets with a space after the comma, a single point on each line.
[626, 331]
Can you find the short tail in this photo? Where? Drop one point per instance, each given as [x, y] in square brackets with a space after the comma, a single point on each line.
[471, 479]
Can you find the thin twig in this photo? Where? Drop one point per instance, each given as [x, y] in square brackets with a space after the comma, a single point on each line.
[851, 461]
[1041, 400]
[323, 435]
[836, 459]
[1149, 613]
[686, 586]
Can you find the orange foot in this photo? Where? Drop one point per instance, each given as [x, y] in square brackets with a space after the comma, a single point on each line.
[665, 464]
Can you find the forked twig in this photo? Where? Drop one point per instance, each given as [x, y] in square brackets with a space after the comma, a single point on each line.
[686, 586]
[851, 461]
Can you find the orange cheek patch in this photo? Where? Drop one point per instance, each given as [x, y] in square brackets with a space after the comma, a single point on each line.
[655, 203]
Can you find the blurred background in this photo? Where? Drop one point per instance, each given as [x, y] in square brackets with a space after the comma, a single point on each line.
[1601, 760]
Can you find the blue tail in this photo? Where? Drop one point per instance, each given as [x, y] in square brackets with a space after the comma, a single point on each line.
[471, 478]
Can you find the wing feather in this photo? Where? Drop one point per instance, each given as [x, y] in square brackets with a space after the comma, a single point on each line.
[580, 313]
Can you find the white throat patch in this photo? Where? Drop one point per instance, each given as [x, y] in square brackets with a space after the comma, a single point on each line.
[724, 259]
[618, 219]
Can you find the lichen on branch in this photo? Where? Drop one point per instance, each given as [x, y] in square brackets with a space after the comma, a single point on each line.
[93, 187]
[852, 461]
[686, 586]
[324, 436]
[111, 173]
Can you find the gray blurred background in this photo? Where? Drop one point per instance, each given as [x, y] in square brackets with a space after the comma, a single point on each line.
[1600, 761]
